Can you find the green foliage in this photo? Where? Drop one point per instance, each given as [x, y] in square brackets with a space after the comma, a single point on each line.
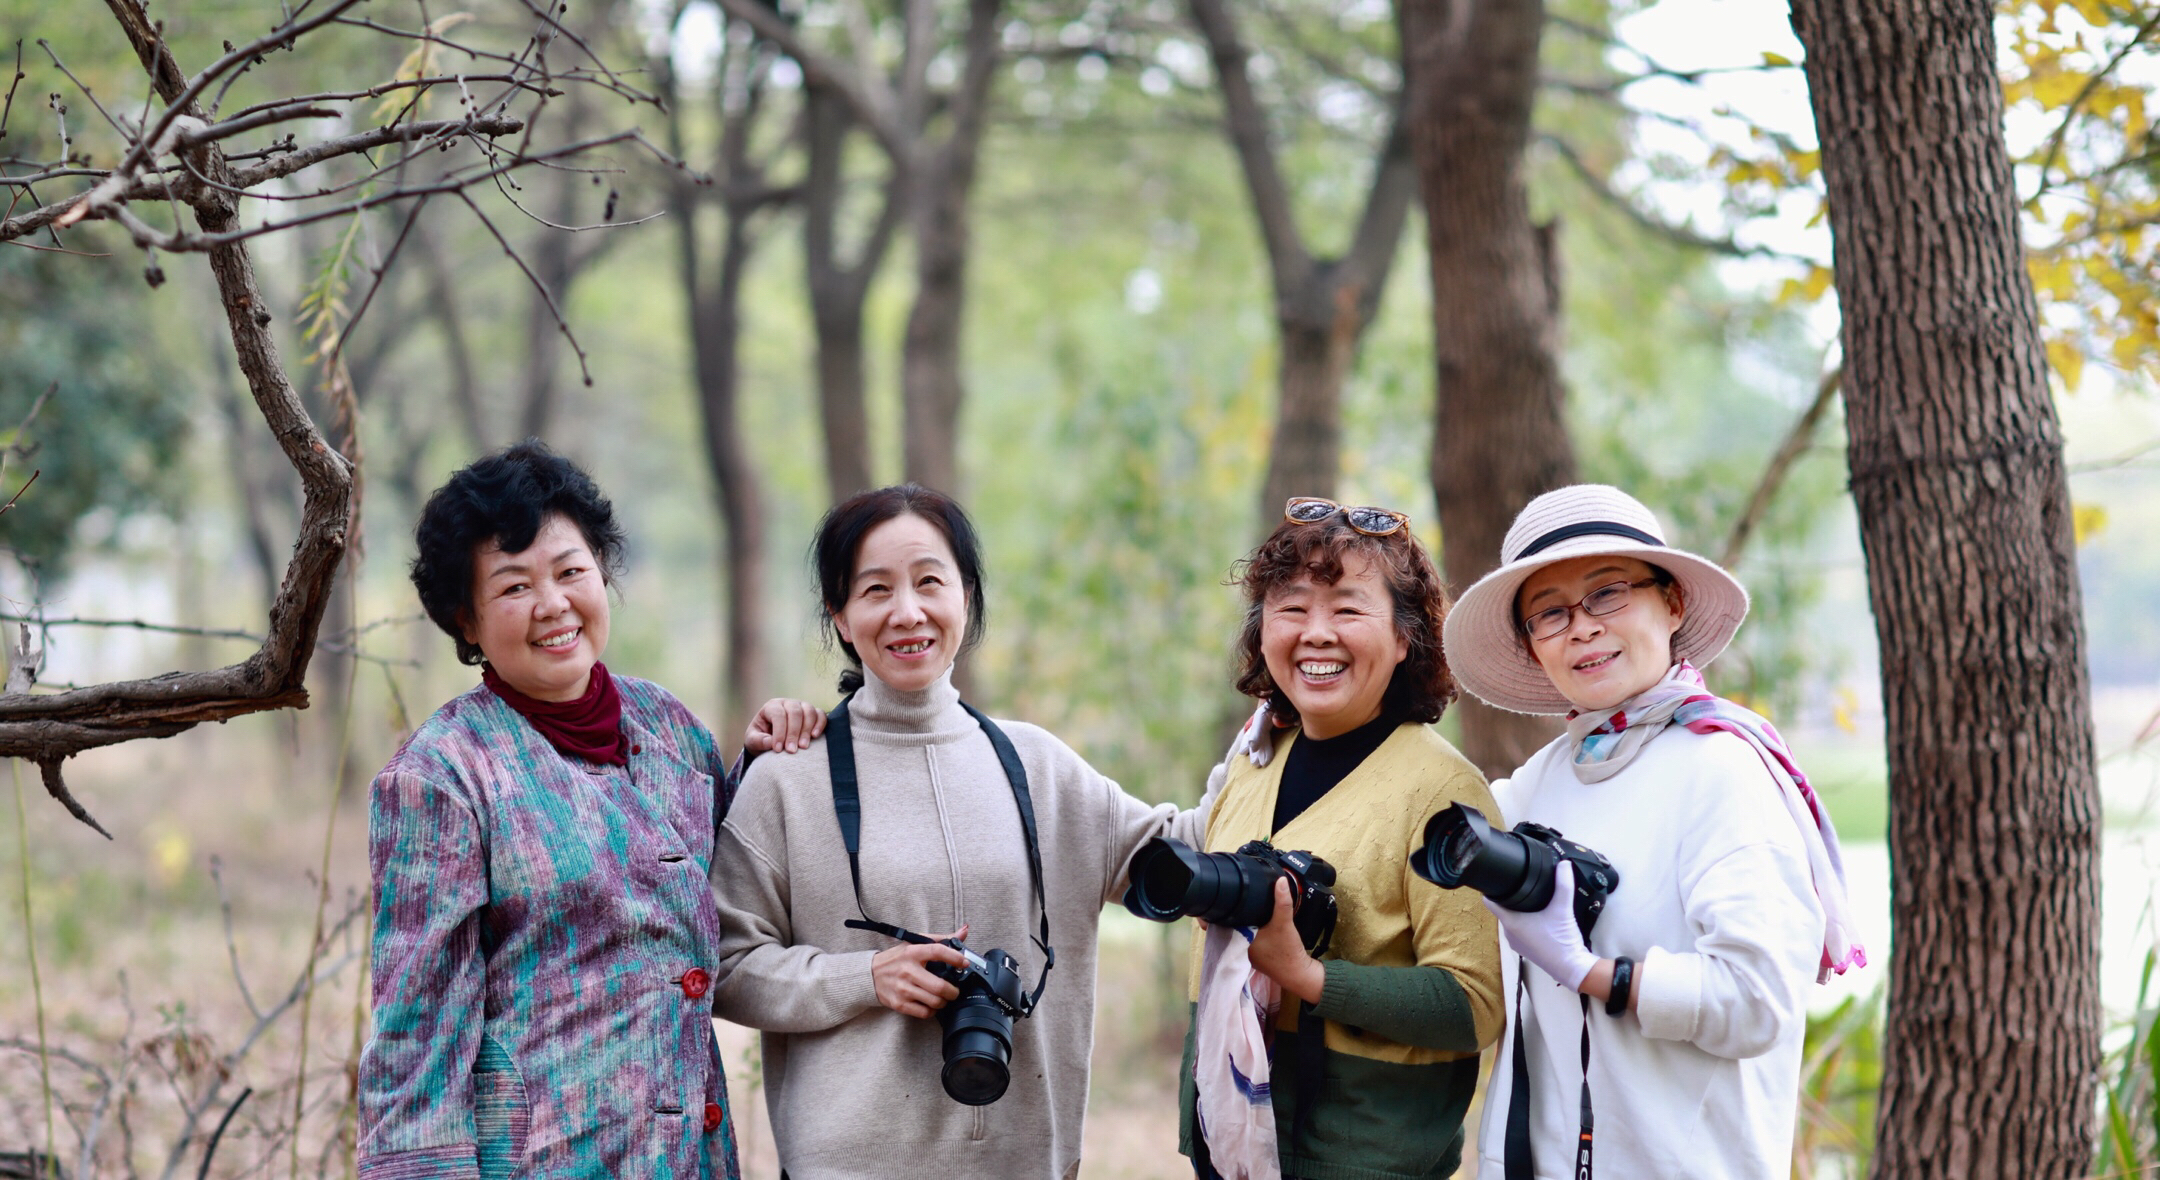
[109, 435]
[2130, 1087]
[1840, 1073]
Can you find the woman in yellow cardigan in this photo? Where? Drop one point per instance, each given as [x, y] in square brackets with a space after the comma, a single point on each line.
[1371, 1058]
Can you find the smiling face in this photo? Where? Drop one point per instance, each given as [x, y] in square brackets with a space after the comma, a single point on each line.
[1333, 648]
[906, 610]
[1602, 660]
[540, 615]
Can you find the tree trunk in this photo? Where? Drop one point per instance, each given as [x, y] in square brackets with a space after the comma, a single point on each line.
[941, 177]
[1992, 1043]
[1499, 430]
[1305, 455]
[1322, 306]
[838, 289]
[715, 310]
[717, 322]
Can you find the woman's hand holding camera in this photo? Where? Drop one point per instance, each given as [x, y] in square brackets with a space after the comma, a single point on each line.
[1549, 937]
[1278, 951]
[903, 980]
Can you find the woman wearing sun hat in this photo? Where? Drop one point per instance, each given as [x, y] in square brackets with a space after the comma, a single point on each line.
[1731, 894]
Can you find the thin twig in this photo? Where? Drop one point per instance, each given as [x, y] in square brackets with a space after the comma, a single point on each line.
[9, 108]
[37, 982]
[2123, 460]
[539, 286]
[34, 473]
[1679, 234]
[210, 1149]
[1773, 476]
[2077, 103]
[232, 947]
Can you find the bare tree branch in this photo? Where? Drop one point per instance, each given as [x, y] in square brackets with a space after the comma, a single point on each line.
[882, 122]
[1773, 476]
[1247, 125]
[1677, 234]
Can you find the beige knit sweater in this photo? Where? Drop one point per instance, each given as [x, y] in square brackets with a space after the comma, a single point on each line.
[852, 1086]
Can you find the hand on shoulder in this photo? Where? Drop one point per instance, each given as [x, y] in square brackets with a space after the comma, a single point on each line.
[783, 725]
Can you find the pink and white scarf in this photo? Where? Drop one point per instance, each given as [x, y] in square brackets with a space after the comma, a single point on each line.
[1232, 1043]
[1607, 740]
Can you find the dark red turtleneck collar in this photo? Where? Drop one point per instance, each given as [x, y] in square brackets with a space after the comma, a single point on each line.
[589, 727]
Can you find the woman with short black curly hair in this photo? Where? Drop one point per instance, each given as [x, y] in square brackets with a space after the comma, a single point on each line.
[1368, 1056]
[544, 932]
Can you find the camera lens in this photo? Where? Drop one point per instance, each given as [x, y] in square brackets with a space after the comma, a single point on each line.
[1171, 881]
[1461, 849]
[978, 1050]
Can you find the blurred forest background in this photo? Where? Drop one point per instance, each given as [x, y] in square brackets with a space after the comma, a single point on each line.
[1124, 338]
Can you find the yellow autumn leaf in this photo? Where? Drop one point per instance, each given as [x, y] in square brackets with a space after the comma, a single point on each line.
[2068, 361]
[2052, 275]
[2056, 89]
[2086, 521]
[1818, 281]
[2095, 12]
[1845, 710]
[1775, 59]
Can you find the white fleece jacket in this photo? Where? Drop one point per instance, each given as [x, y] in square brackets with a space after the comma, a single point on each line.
[851, 1085]
[1716, 907]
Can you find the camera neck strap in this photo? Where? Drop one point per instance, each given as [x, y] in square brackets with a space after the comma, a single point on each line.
[847, 807]
[1516, 1148]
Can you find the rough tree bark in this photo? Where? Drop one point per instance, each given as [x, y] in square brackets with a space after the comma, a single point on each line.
[1322, 305]
[838, 289]
[1499, 428]
[1992, 1043]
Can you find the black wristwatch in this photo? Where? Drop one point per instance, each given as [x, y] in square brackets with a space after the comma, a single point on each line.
[1623, 981]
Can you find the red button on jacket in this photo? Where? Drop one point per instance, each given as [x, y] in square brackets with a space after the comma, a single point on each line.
[713, 1116]
[695, 983]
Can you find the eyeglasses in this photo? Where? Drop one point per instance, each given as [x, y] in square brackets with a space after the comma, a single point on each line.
[1373, 522]
[1604, 600]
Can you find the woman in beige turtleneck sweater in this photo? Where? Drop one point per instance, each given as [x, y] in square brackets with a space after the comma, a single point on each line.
[852, 1049]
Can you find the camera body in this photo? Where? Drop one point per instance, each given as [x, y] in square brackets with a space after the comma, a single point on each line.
[978, 1023]
[1514, 869]
[1170, 880]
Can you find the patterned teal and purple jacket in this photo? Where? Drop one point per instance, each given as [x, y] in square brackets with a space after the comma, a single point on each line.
[544, 938]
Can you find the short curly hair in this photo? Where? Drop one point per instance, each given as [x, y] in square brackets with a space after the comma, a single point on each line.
[1421, 686]
[505, 498]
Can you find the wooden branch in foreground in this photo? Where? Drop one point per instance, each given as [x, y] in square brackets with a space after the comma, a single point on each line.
[49, 729]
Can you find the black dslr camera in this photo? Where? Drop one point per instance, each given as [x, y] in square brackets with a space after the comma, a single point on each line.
[1171, 880]
[978, 1023]
[1514, 869]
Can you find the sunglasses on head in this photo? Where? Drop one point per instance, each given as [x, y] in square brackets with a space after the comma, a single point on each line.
[1373, 522]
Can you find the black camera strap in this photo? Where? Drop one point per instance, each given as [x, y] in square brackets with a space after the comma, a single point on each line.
[1516, 1148]
[847, 807]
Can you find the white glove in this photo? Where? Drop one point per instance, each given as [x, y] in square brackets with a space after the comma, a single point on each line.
[1549, 937]
[1256, 740]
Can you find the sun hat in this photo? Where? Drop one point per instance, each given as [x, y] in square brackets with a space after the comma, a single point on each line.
[1483, 639]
